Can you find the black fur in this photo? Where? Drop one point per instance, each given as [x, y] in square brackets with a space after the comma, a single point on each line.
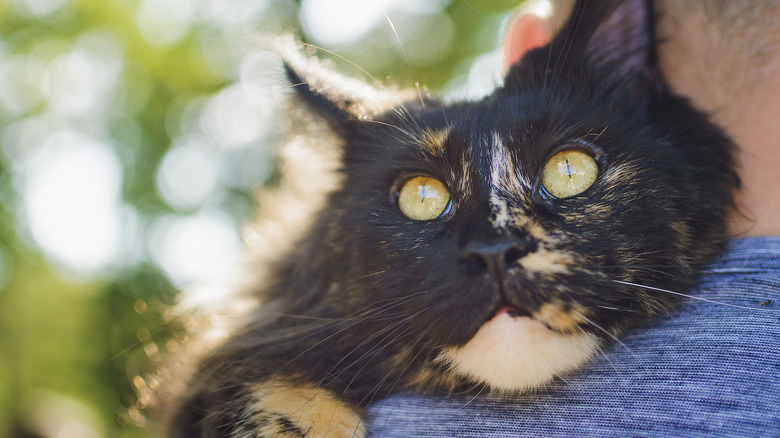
[368, 298]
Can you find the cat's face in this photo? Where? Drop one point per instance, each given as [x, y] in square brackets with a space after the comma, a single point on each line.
[513, 235]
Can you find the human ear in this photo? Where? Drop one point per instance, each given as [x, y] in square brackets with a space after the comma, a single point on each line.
[529, 29]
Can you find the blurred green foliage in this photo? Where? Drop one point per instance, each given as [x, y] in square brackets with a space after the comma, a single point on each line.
[74, 340]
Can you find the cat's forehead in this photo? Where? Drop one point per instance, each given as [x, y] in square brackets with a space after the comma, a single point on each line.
[524, 121]
[485, 165]
[499, 156]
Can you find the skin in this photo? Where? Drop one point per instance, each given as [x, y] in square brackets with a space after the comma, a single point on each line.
[745, 102]
[751, 120]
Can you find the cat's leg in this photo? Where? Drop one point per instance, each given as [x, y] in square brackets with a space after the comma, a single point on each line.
[283, 378]
[277, 408]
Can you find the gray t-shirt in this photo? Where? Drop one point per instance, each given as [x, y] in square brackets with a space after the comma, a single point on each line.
[707, 370]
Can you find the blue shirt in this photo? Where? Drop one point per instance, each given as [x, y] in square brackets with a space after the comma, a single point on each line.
[707, 370]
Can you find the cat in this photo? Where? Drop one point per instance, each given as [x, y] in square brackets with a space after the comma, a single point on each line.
[494, 244]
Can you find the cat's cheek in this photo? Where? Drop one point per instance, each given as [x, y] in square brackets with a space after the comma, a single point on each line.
[519, 353]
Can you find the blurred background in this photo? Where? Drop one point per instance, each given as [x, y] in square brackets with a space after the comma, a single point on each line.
[132, 136]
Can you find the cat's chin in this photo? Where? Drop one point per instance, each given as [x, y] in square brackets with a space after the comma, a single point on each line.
[517, 353]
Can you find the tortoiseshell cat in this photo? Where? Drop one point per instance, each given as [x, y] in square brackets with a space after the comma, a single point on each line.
[497, 243]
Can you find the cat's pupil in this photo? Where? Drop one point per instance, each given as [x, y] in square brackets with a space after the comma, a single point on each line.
[569, 173]
[423, 198]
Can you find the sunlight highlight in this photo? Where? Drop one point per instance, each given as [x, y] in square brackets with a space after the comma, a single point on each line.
[188, 175]
[40, 8]
[334, 23]
[72, 204]
[164, 23]
[195, 249]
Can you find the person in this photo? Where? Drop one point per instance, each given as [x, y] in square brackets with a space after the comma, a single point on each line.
[713, 367]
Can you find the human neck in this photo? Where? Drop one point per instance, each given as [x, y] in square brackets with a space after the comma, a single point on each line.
[752, 123]
[748, 112]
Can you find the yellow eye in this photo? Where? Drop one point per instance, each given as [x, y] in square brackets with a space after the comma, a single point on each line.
[422, 198]
[569, 173]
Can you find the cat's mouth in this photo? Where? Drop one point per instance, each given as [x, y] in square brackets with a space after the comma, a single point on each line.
[551, 316]
[514, 312]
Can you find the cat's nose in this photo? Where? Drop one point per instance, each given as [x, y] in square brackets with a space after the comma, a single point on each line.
[499, 253]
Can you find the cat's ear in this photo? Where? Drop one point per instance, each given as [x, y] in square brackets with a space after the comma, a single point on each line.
[326, 102]
[616, 35]
[338, 99]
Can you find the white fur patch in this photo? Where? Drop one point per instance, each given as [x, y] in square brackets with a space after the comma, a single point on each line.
[500, 164]
[519, 353]
[503, 178]
[500, 218]
[500, 168]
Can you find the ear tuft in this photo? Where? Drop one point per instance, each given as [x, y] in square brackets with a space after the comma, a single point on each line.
[335, 111]
[335, 97]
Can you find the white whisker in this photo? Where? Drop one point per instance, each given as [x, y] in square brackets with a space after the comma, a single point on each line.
[605, 356]
[606, 332]
[693, 297]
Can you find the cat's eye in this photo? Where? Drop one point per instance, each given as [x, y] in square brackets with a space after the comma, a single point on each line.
[422, 198]
[569, 173]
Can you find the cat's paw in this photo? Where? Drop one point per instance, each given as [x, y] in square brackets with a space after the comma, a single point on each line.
[280, 409]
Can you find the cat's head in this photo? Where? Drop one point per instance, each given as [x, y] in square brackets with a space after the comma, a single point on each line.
[504, 240]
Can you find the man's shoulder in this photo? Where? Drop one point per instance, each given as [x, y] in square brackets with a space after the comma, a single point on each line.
[711, 368]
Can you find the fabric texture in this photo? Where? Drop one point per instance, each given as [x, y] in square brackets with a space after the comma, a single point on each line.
[708, 370]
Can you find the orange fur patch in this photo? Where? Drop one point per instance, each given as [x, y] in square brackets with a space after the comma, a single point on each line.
[554, 316]
[433, 141]
[310, 408]
[546, 261]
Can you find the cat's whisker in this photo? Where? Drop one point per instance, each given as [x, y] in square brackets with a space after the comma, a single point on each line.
[596, 136]
[323, 340]
[568, 43]
[406, 114]
[367, 315]
[398, 38]
[605, 331]
[419, 94]
[402, 130]
[478, 393]
[412, 123]
[381, 345]
[373, 352]
[347, 60]
[694, 297]
[147, 337]
[391, 303]
[328, 322]
[371, 396]
[333, 424]
[371, 340]
[604, 354]
[300, 316]
[374, 273]
[476, 386]
[389, 391]
[617, 309]
[425, 348]
[399, 376]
